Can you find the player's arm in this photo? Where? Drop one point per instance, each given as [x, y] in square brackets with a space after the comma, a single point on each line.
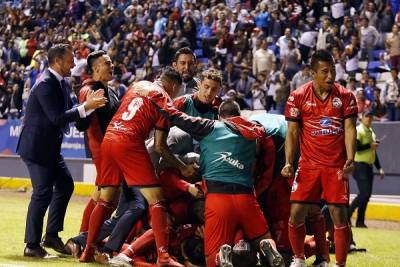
[162, 149]
[291, 146]
[350, 136]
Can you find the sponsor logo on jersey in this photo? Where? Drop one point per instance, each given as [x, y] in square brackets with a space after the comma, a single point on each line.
[325, 122]
[291, 98]
[311, 104]
[294, 112]
[226, 157]
[119, 126]
[331, 131]
[336, 102]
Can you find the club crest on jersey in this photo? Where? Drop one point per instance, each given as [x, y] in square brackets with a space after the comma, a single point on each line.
[336, 102]
[325, 122]
[294, 112]
[291, 98]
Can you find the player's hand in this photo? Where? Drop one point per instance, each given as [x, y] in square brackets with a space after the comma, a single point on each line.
[374, 145]
[348, 166]
[288, 170]
[381, 173]
[95, 99]
[195, 191]
[190, 170]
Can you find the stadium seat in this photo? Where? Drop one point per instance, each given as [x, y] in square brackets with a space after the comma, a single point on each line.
[376, 53]
[374, 75]
[203, 60]
[198, 52]
[372, 65]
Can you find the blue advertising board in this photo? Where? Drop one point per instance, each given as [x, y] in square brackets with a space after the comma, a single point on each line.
[72, 146]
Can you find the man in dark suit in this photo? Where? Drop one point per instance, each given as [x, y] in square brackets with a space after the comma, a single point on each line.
[48, 114]
[185, 63]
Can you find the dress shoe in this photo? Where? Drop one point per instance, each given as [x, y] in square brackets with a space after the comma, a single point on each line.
[361, 225]
[73, 248]
[54, 243]
[38, 252]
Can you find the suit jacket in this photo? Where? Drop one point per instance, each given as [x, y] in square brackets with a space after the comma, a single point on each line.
[46, 117]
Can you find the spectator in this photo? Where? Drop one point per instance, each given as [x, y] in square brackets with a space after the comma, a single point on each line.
[324, 35]
[262, 59]
[291, 61]
[369, 37]
[351, 52]
[301, 77]
[390, 95]
[283, 43]
[378, 107]
[393, 44]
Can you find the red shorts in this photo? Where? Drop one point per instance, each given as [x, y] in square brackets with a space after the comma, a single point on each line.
[276, 208]
[313, 184]
[96, 159]
[224, 215]
[131, 162]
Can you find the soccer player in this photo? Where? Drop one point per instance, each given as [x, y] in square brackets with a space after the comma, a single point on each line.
[228, 151]
[321, 117]
[124, 155]
[100, 67]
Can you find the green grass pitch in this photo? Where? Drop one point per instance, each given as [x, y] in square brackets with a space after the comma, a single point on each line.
[383, 246]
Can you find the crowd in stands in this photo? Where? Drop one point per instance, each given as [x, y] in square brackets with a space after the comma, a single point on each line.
[263, 47]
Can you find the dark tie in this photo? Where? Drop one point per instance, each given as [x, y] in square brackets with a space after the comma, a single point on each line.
[64, 89]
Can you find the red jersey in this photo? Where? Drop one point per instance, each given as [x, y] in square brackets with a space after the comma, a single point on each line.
[138, 115]
[321, 124]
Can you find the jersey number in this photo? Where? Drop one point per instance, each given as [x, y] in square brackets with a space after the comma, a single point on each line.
[135, 104]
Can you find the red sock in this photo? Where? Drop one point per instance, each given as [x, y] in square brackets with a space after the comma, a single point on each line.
[318, 226]
[159, 223]
[141, 245]
[100, 213]
[309, 247]
[297, 235]
[86, 215]
[342, 241]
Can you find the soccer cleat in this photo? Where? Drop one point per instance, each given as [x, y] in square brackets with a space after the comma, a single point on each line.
[164, 260]
[296, 262]
[225, 256]
[120, 261]
[270, 255]
[320, 262]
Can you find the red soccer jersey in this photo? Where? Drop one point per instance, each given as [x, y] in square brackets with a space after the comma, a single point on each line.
[321, 124]
[138, 115]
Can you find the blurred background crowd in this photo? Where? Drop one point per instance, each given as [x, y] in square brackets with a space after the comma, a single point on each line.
[262, 47]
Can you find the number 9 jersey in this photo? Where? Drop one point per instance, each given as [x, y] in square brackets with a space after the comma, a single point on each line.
[138, 115]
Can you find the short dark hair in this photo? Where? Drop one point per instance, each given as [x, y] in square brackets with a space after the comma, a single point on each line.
[394, 69]
[57, 51]
[212, 74]
[171, 75]
[184, 51]
[229, 108]
[320, 55]
[91, 59]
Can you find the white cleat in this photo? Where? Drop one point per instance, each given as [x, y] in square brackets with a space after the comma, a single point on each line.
[225, 256]
[121, 261]
[296, 262]
[270, 255]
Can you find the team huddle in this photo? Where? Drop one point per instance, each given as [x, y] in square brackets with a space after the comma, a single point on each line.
[186, 181]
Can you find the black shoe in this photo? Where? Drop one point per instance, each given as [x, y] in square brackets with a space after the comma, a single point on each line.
[361, 225]
[38, 252]
[54, 243]
[73, 248]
